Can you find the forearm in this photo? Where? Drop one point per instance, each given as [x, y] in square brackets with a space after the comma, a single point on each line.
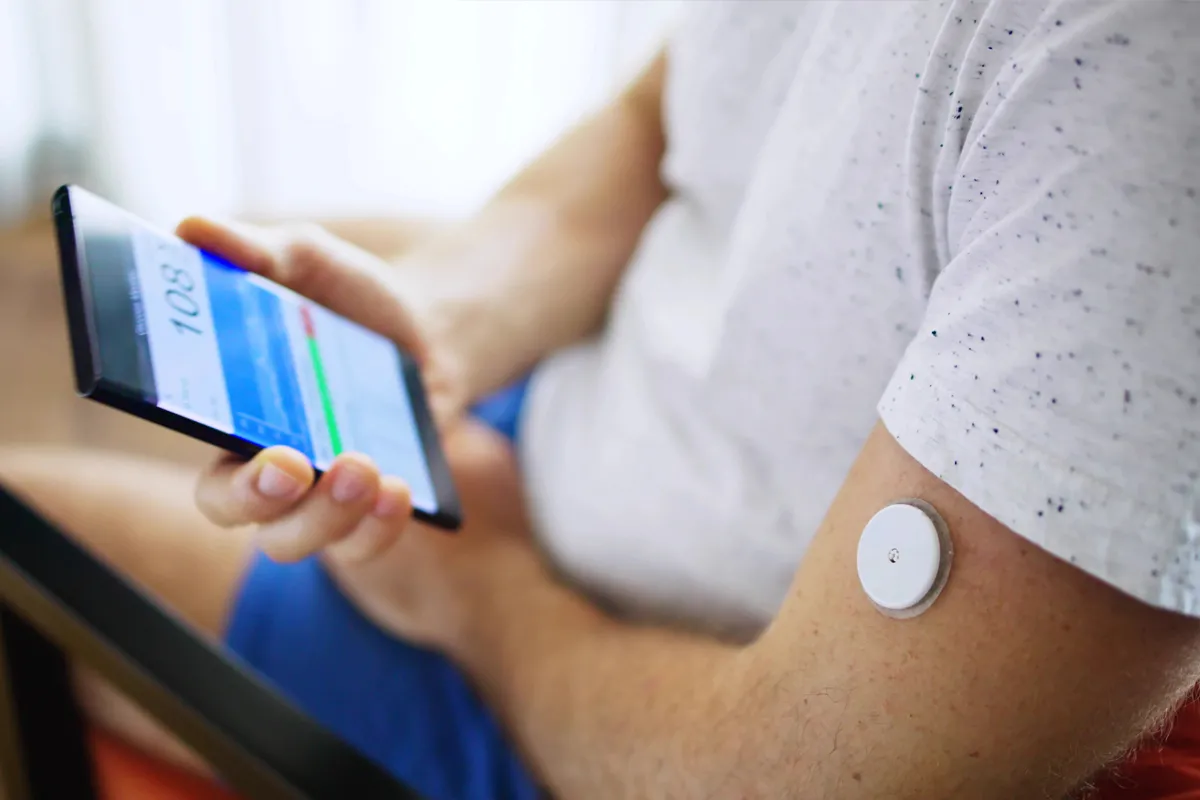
[604, 709]
[536, 268]
[834, 699]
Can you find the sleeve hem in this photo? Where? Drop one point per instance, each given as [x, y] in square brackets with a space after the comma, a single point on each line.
[1097, 527]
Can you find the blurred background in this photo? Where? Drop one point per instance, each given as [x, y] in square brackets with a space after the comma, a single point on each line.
[268, 109]
[299, 106]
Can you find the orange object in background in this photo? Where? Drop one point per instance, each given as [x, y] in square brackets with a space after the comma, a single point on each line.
[1163, 769]
[123, 772]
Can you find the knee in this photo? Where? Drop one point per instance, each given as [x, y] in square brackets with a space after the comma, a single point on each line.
[38, 477]
[24, 471]
[72, 488]
[33, 468]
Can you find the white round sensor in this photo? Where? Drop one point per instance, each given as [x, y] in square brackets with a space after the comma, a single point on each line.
[903, 557]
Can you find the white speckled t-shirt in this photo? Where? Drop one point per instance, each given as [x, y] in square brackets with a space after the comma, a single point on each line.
[978, 221]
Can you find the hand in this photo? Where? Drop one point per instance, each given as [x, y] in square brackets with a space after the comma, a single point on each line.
[424, 586]
[349, 281]
[275, 489]
[410, 579]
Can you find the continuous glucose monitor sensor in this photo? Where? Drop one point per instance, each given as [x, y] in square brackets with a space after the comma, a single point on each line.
[904, 558]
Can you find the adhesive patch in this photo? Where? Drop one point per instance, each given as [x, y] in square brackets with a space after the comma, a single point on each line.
[904, 557]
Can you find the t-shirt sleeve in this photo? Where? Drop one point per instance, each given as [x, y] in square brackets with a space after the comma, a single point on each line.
[1055, 380]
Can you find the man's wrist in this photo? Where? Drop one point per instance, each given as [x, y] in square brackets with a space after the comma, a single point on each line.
[482, 290]
[453, 323]
[512, 603]
[497, 578]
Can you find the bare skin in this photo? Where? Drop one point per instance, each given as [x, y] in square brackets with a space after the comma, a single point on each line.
[1024, 678]
[551, 252]
[139, 516]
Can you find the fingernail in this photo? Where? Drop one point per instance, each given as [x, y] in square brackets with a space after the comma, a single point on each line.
[275, 482]
[348, 485]
[386, 504]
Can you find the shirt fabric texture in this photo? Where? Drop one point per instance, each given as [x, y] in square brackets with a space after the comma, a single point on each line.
[977, 221]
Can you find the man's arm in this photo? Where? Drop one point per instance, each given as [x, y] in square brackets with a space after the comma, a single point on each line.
[535, 270]
[1023, 678]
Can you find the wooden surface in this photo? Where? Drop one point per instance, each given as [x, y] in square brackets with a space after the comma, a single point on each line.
[37, 399]
[38, 405]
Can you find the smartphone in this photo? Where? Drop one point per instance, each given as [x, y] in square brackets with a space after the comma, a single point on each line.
[177, 336]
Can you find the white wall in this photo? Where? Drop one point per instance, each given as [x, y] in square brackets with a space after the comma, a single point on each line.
[308, 106]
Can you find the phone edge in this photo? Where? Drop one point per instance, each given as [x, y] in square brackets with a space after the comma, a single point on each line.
[118, 397]
[449, 513]
[90, 382]
[73, 274]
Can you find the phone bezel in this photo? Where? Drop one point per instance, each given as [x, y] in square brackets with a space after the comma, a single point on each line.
[91, 383]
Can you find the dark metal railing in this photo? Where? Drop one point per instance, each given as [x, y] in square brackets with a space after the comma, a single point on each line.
[59, 604]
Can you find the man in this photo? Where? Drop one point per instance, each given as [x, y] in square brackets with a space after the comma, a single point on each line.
[817, 259]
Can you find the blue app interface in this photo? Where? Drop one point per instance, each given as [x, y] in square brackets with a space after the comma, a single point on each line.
[249, 357]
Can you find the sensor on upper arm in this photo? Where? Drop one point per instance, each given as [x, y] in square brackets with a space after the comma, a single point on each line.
[904, 558]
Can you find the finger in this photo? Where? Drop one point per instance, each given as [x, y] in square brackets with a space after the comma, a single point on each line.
[336, 506]
[444, 410]
[250, 247]
[346, 280]
[236, 492]
[379, 530]
[312, 262]
[446, 401]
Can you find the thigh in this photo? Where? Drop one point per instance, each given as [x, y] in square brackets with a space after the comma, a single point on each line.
[409, 709]
[138, 516]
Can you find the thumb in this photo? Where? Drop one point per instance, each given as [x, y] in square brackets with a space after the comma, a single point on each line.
[445, 388]
[316, 264]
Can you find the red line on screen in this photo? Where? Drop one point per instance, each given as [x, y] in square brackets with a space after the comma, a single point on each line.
[310, 330]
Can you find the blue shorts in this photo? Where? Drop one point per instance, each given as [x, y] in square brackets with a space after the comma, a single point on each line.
[409, 709]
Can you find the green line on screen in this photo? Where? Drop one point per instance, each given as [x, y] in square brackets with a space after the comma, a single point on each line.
[335, 438]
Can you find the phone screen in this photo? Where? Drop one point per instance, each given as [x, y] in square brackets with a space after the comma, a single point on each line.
[246, 356]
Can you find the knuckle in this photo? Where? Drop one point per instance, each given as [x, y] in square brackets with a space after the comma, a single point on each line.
[282, 541]
[303, 256]
[387, 536]
[227, 498]
[366, 541]
[340, 509]
[215, 505]
[318, 532]
[262, 510]
[299, 256]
